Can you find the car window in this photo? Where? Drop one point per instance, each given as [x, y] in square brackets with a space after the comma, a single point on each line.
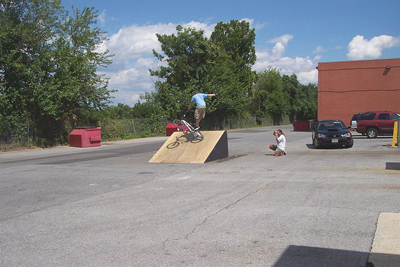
[383, 116]
[367, 116]
[331, 125]
[395, 116]
[355, 117]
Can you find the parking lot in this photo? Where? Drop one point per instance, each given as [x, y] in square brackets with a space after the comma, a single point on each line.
[107, 206]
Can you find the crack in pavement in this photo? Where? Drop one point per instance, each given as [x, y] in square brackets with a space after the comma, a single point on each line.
[186, 237]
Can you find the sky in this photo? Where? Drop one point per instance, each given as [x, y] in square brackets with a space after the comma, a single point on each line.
[291, 36]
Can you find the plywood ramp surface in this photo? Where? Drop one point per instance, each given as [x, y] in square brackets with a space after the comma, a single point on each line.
[183, 148]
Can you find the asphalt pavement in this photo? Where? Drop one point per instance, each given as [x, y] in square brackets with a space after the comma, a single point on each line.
[107, 206]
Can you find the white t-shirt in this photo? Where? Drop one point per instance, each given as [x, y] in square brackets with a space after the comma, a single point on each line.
[282, 142]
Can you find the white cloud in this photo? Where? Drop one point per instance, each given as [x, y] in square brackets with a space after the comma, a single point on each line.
[135, 98]
[132, 47]
[280, 45]
[136, 41]
[360, 48]
[319, 49]
[284, 39]
[257, 26]
[207, 28]
[130, 81]
[102, 18]
[307, 77]
[303, 67]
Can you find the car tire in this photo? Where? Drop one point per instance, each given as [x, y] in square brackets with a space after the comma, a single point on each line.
[372, 133]
[315, 143]
[350, 145]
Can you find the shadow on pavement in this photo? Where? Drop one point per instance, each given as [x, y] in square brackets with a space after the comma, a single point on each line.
[315, 257]
[310, 146]
[379, 137]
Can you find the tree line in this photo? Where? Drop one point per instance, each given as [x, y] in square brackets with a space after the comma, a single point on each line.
[48, 69]
[223, 64]
[49, 62]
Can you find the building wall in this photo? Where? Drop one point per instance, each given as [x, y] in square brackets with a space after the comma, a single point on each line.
[349, 87]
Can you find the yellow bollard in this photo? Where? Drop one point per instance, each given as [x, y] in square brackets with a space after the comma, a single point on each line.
[395, 133]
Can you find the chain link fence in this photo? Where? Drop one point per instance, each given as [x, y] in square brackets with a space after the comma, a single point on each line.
[14, 137]
[119, 129]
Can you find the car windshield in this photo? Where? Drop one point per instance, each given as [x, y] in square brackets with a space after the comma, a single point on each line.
[325, 125]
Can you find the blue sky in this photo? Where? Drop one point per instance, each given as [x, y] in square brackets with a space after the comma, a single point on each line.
[292, 36]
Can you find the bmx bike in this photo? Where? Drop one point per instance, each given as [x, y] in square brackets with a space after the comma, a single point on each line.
[183, 125]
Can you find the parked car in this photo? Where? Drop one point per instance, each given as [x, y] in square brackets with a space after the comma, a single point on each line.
[354, 119]
[374, 123]
[331, 133]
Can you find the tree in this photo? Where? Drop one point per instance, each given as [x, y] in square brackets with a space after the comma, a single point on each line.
[232, 74]
[269, 96]
[187, 56]
[147, 107]
[310, 108]
[293, 88]
[25, 30]
[48, 63]
[237, 40]
[302, 98]
[221, 64]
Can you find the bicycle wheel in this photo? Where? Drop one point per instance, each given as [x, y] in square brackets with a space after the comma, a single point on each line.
[198, 135]
[178, 124]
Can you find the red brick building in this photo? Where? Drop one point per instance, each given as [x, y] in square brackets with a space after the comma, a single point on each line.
[349, 87]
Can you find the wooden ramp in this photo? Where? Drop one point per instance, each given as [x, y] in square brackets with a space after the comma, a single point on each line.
[181, 147]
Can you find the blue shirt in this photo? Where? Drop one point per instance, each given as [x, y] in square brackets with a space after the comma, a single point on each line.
[199, 98]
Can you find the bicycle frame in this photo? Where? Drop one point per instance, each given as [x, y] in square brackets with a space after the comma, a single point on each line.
[181, 124]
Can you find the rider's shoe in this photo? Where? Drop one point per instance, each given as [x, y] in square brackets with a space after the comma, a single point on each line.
[196, 127]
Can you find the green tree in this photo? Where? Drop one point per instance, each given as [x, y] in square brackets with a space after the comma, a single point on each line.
[187, 57]
[48, 66]
[237, 40]
[302, 98]
[231, 74]
[147, 107]
[269, 96]
[26, 28]
[293, 88]
[222, 64]
[310, 108]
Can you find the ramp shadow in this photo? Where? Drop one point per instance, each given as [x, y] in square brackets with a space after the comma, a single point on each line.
[186, 137]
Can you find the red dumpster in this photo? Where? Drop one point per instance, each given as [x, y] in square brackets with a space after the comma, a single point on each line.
[301, 126]
[170, 129]
[85, 137]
